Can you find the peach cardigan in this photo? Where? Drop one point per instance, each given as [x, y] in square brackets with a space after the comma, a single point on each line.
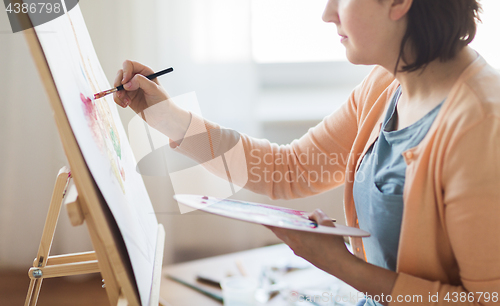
[450, 232]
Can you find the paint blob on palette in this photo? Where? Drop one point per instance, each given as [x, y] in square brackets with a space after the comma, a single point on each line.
[104, 132]
[265, 214]
[239, 208]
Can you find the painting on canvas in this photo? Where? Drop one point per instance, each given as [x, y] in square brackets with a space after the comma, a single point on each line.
[101, 137]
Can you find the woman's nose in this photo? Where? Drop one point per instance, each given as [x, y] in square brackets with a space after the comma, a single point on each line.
[330, 14]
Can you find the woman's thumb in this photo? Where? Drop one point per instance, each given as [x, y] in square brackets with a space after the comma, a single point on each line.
[321, 218]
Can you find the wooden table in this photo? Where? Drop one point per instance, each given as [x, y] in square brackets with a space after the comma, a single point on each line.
[309, 281]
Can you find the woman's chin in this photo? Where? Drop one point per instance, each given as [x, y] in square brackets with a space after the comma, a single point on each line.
[358, 59]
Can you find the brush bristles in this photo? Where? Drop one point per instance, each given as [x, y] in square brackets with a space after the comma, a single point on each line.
[104, 93]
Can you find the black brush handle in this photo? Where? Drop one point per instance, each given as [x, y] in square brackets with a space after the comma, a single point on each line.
[152, 76]
[160, 73]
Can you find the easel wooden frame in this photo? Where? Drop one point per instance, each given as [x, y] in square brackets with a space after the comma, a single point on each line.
[45, 266]
[110, 256]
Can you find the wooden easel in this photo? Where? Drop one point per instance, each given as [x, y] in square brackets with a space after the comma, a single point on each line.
[45, 266]
[84, 202]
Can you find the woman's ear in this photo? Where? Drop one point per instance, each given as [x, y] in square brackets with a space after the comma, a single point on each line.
[399, 8]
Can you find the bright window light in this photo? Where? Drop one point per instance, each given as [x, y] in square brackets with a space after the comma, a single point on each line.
[293, 31]
[487, 42]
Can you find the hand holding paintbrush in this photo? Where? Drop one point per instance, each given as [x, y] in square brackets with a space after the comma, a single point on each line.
[120, 87]
[133, 87]
[140, 93]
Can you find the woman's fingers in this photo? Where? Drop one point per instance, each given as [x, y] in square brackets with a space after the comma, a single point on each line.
[131, 68]
[139, 81]
[321, 218]
[119, 96]
[128, 71]
[118, 78]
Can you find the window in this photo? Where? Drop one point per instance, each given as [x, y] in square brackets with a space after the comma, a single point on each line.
[299, 56]
[486, 41]
[292, 31]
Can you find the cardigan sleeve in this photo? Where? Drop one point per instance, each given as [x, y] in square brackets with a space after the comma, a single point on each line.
[471, 181]
[310, 165]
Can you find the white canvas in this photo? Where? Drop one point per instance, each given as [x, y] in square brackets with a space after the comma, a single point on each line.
[102, 138]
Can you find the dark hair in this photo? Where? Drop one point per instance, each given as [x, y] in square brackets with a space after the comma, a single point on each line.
[438, 29]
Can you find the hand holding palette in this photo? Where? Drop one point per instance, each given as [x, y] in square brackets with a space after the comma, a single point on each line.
[265, 214]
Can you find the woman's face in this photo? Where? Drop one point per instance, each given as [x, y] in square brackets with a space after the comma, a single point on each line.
[367, 30]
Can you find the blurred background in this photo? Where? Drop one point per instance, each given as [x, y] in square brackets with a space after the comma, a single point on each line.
[268, 68]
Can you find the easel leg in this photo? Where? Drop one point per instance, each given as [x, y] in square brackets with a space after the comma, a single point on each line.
[33, 292]
[48, 233]
[45, 266]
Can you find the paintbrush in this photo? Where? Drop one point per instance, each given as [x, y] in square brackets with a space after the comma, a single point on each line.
[150, 77]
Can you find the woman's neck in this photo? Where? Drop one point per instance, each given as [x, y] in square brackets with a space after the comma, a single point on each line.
[432, 84]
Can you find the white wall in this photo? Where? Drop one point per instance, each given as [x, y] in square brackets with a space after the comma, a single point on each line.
[30, 151]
